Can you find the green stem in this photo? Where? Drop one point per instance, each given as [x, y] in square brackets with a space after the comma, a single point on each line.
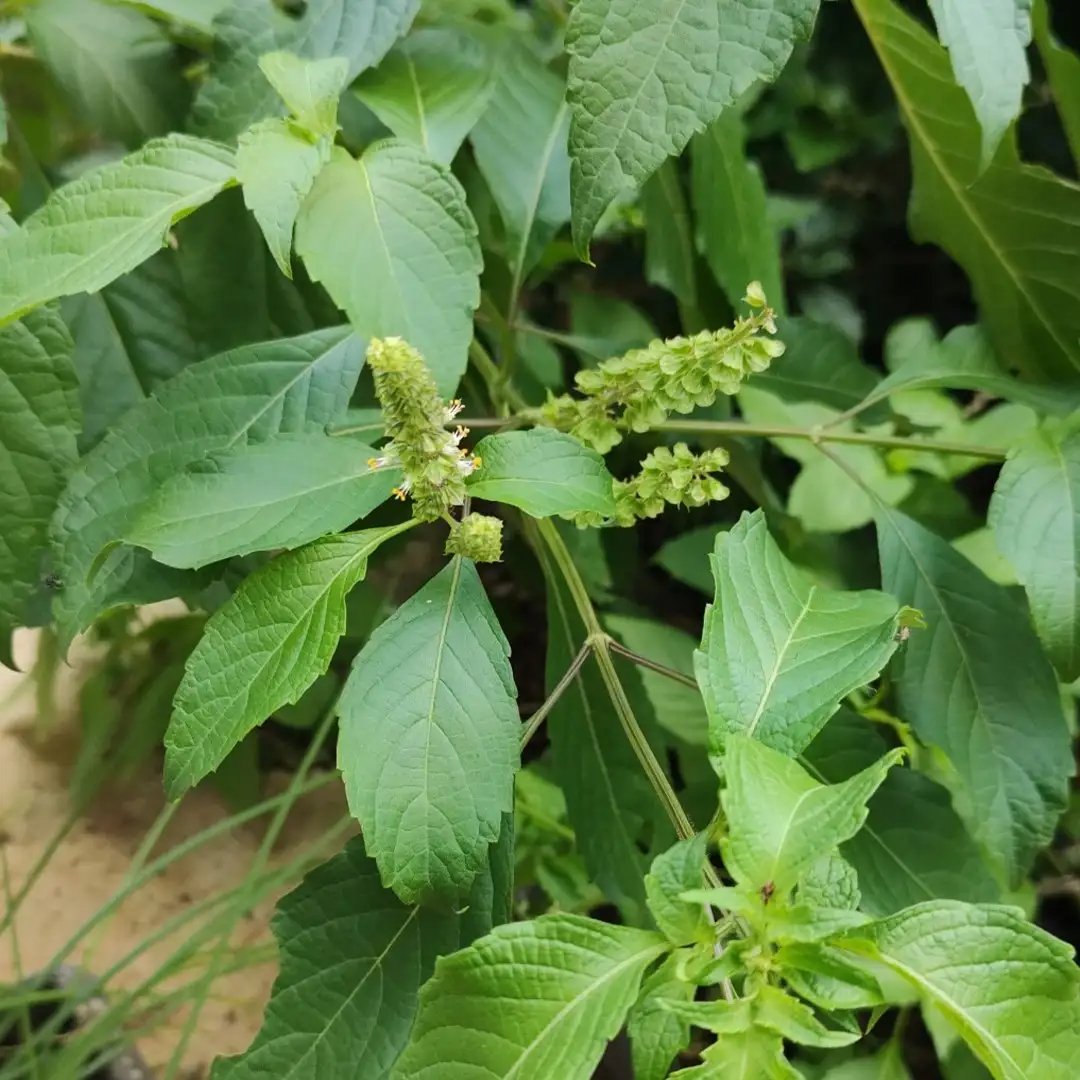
[540, 715]
[652, 665]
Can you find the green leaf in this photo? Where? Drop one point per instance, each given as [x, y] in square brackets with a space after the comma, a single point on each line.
[1010, 989]
[795, 1021]
[831, 882]
[532, 1000]
[826, 977]
[429, 736]
[657, 1033]
[1063, 70]
[282, 493]
[646, 75]
[780, 820]
[39, 418]
[117, 66]
[734, 232]
[687, 557]
[976, 684]
[235, 94]
[987, 45]
[886, 1065]
[754, 1054]
[670, 255]
[432, 88]
[913, 847]
[679, 709]
[262, 649]
[310, 88]
[196, 14]
[409, 264]
[677, 871]
[246, 395]
[542, 472]
[108, 221]
[353, 959]
[1024, 265]
[1034, 518]
[778, 653]
[277, 169]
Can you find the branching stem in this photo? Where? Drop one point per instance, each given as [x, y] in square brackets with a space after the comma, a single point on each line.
[538, 717]
[652, 665]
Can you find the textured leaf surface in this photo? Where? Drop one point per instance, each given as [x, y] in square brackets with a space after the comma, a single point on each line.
[431, 89]
[676, 871]
[542, 472]
[646, 75]
[353, 959]
[976, 684]
[235, 94]
[780, 820]
[656, 1032]
[262, 649]
[1024, 264]
[521, 148]
[108, 221]
[429, 736]
[409, 264]
[39, 419]
[257, 497]
[1011, 989]
[532, 1001]
[1035, 517]
[310, 88]
[246, 395]
[778, 653]
[753, 1054]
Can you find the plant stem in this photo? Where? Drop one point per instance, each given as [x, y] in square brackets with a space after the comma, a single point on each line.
[540, 715]
[652, 665]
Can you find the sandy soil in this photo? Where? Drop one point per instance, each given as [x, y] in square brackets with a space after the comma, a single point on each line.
[91, 863]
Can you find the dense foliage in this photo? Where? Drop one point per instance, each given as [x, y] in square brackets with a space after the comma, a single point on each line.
[388, 334]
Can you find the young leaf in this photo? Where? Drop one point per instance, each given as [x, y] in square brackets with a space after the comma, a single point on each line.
[262, 649]
[532, 1000]
[677, 871]
[1035, 518]
[409, 264]
[520, 147]
[779, 653]
[247, 395]
[235, 94]
[657, 1033]
[310, 88]
[1010, 989]
[542, 472]
[734, 231]
[753, 1054]
[353, 959]
[831, 882]
[118, 67]
[976, 684]
[886, 1065]
[277, 169]
[39, 418]
[987, 46]
[431, 89]
[646, 75]
[670, 253]
[429, 736]
[1063, 70]
[826, 977]
[795, 1021]
[1024, 264]
[780, 820]
[108, 221]
[282, 493]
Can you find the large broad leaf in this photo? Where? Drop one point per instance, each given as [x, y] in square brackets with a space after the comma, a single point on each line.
[532, 1001]
[353, 959]
[431, 89]
[1011, 990]
[129, 339]
[261, 496]
[1063, 69]
[670, 251]
[409, 264]
[39, 418]
[429, 737]
[520, 147]
[778, 653]
[976, 684]
[262, 649]
[987, 42]
[1023, 261]
[913, 847]
[108, 221]
[235, 94]
[1035, 517]
[542, 472]
[646, 75]
[780, 820]
[733, 227]
[118, 67]
[247, 395]
[657, 1032]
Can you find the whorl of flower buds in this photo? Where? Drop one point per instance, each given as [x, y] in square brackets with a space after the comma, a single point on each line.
[639, 390]
[477, 537]
[431, 458]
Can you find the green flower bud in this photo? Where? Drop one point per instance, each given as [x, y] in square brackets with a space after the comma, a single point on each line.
[477, 537]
